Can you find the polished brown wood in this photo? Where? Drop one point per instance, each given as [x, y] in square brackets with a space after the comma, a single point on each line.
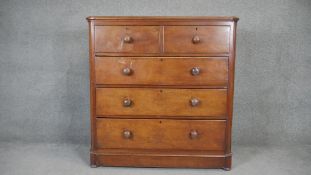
[145, 160]
[161, 158]
[161, 91]
[196, 39]
[92, 88]
[167, 102]
[158, 152]
[137, 39]
[151, 19]
[161, 134]
[162, 70]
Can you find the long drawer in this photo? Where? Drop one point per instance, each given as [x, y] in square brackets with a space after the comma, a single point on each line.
[158, 101]
[160, 134]
[162, 70]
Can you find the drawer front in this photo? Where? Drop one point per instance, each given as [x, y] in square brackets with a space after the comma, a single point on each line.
[196, 39]
[131, 39]
[161, 71]
[160, 134]
[161, 102]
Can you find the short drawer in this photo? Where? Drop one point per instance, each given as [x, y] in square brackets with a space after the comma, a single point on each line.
[161, 102]
[196, 39]
[160, 134]
[162, 71]
[127, 39]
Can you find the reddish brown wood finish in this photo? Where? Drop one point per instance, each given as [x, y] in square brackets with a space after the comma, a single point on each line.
[141, 39]
[164, 102]
[162, 70]
[159, 52]
[160, 158]
[92, 86]
[196, 39]
[160, 133]
[145, 160]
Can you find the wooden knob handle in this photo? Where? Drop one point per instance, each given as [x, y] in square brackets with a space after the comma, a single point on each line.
[127, 39]
[127, 134]
[127, 71]
[193, 134]
[195, 71]
[194, 102]
[195, 39]
[127, 102]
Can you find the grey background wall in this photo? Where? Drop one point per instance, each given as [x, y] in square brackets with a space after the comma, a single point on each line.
[44, 91]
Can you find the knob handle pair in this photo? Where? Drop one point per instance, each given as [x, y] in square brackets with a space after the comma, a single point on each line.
[193, 102]
[127, 134]
[128, 71]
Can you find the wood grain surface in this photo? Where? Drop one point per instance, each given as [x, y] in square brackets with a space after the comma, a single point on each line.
[161, 134]
[164, 102]
[162, 70]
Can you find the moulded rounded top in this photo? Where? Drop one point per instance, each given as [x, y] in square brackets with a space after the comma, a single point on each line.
[164, 18]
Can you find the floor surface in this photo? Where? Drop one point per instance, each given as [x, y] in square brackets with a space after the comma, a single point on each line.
[70, 159]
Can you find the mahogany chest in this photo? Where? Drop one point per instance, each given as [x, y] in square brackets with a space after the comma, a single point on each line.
[161, 91]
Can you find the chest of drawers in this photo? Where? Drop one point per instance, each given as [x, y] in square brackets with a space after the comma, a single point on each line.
[161, 91]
